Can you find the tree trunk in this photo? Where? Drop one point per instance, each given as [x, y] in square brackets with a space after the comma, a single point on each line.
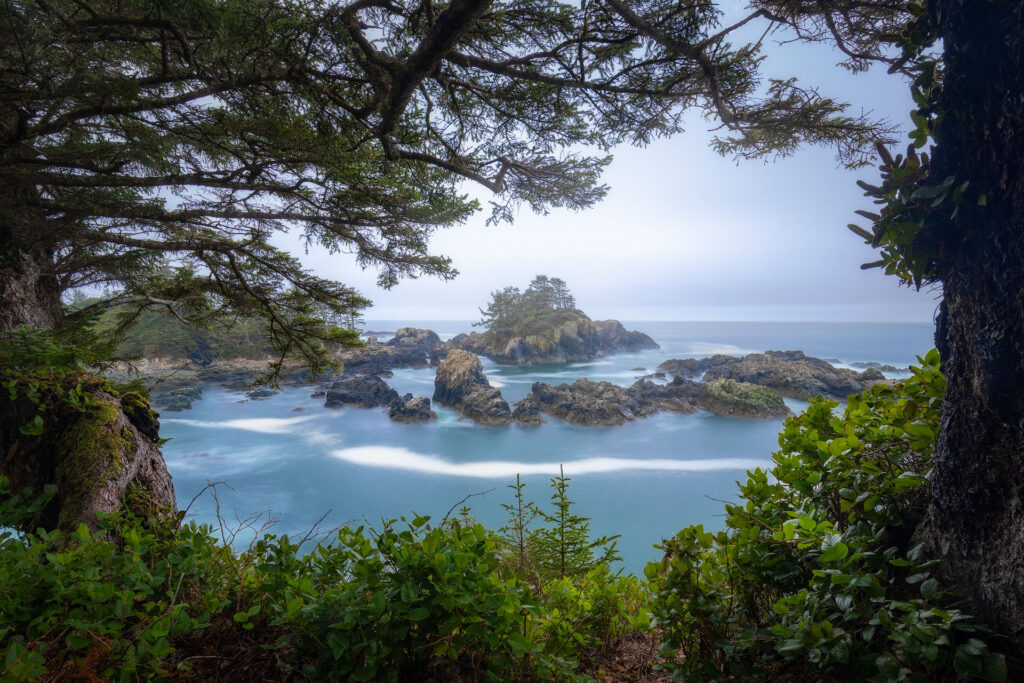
[101, 453]
[29, 290]
[976, 521]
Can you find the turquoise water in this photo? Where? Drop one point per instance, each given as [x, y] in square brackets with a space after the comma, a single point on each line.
[297, 461]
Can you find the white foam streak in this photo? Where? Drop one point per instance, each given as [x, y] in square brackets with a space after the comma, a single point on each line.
[404, 459]
[261, 425]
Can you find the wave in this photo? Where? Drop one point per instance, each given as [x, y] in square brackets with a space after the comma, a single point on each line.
[262, 425]
[698, 349]
[403, 459]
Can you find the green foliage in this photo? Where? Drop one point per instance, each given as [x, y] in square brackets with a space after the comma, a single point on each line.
[511, 309]
[816, 575]
[375, 604]
[914, 205]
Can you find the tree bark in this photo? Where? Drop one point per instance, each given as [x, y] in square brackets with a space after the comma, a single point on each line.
[29, 289]
[976, 520]
[101, 454]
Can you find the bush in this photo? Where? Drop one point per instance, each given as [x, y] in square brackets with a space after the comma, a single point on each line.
[816, 575]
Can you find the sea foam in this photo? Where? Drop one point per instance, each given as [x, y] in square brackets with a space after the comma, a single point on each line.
[403, 459]
[262, 425]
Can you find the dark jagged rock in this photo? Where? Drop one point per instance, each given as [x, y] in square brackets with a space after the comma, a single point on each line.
[590, 403]
[527, 411]
[409, 348]
[603, 403]
[367, 391]
[415, 338]
[181, 398]
[678, 396]
[409, 409]
[695, 367]
[740, 399]
[460, 383]
[790, 373]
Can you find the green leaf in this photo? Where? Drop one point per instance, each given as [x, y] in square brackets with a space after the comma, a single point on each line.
[834, 553]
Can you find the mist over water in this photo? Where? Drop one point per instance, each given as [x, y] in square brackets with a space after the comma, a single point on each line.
[644, 480]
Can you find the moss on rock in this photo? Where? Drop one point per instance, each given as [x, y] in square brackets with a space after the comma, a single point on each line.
[741, 399]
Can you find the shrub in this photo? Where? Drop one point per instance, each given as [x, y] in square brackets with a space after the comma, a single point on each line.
[816, 575]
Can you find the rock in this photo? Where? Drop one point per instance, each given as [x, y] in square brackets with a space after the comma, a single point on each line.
[678, 396]
[261, 392]
[741, 399]
[409, 409]
[527, 411]
[554, 336]
[409, 348]
[367, 391]
[590, 403]
[638, 370]
[319, 393]
[790, 373]
[879, 366]
[460, 383]
[415, 338]
[177, 399]
[695, 367]
[298, 409]
[614, 338]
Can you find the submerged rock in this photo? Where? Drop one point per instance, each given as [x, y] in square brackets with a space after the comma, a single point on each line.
[367, 391]
[181, 398]
[409, 409]
[460, 383]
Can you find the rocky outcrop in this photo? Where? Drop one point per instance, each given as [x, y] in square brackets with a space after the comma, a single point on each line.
[367, 391]
[410, 348]
[409, 409]
[460, 383]
[527, 412]
[555, 337]
[790, 373]
[603, 403]
[614, 338]
[590, 403]
[739, 399]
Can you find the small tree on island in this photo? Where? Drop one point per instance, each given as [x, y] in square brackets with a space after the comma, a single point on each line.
[510, 304]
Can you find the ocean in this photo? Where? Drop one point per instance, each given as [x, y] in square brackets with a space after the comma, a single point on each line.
[289, 459]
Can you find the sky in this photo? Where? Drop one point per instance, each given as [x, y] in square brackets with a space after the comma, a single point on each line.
[685, 234]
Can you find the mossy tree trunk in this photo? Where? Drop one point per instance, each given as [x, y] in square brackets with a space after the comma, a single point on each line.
[100, 450]
[976, 521]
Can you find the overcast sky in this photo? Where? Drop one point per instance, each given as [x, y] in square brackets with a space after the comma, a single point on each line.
[685, 234]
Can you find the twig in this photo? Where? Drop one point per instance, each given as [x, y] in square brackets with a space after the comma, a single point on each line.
[452, 508]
